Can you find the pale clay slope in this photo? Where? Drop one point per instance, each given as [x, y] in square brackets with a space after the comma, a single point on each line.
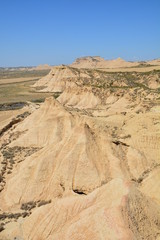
[78, 155]
[93, 155]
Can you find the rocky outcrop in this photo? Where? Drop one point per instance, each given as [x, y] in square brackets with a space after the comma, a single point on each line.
[94, 89]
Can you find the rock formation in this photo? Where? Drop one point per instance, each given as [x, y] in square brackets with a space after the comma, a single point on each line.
[87, 164]
[99, 62]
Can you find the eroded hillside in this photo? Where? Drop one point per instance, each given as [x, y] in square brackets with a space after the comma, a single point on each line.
[85, 165]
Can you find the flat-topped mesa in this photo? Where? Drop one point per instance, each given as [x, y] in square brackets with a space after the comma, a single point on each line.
[87, 62]
[92, 58]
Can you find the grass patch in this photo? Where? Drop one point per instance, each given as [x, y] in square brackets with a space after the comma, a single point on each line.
[21, 92]
[6, 73]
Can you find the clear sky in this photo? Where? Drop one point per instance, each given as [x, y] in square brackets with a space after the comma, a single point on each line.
[34, 32]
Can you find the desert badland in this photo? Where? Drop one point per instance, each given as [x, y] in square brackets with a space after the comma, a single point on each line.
[85, 163]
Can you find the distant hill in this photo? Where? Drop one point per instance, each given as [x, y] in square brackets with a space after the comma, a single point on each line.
[99, 62]
[43, 67]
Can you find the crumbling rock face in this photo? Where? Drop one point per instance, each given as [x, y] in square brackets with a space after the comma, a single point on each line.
[93, 89]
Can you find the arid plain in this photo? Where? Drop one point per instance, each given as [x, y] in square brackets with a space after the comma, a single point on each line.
[80, 151]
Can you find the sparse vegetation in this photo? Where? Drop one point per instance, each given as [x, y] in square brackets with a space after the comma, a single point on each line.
[28, 206]
[43, 202]
[57, 94]
[13, 156]
[1, 228]
[32, 204]
[25, 207]
[119, 80]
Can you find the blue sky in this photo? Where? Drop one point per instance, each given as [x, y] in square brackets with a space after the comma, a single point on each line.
[35, 32]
